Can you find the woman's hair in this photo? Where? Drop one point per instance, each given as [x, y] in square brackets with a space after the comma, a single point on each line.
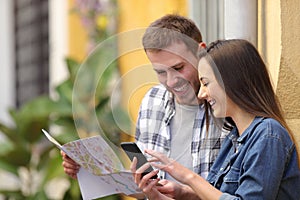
[169, 29]
[239, 68]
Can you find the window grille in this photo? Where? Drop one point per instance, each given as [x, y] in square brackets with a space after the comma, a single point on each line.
[31, 49]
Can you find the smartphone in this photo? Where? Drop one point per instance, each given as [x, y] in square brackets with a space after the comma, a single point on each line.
[132, 150]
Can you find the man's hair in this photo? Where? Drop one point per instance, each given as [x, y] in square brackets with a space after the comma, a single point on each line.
[170, 29]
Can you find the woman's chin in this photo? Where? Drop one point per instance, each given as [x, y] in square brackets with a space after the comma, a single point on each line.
[218, 114]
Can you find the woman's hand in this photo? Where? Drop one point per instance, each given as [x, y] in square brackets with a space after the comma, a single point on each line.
[176, 190]
[71, 168]
[176, 170]
[185, 176]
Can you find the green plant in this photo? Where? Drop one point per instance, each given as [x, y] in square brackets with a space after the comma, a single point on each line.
[26, 153]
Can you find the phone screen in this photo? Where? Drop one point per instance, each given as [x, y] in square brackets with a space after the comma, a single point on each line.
[132, 150]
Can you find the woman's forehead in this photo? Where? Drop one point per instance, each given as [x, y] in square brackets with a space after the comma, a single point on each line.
[204, 67]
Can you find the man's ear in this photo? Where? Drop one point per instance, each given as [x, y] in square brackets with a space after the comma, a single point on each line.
[202, 45]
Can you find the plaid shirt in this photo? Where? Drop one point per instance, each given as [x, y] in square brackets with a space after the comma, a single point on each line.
[153, 130]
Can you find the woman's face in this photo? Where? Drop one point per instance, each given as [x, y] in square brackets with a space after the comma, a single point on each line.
[211, 90]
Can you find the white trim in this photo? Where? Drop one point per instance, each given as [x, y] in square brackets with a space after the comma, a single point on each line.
[241, 20]
[7, 75]
[209, 17]
[58, 42]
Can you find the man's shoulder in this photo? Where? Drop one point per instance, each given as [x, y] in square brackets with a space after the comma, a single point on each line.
[156, 98]
[157, 92]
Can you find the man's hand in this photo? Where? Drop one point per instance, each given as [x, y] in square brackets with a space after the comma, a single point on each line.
[71, 168]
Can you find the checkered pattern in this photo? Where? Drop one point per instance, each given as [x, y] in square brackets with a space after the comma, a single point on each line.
[153, 130]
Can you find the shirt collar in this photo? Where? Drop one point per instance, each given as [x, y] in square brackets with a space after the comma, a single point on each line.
[246, 133]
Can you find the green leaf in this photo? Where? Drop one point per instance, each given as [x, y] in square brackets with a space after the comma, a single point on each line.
[64, 91]
[13, 194]
[40, 195]
[73, 67]
[19, 156]
[53, 168]
[9, 167]
[8, 132]
[40, 107]
[6, 146]
[73, 192]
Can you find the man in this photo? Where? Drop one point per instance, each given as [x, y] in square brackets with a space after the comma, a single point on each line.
[171, 119]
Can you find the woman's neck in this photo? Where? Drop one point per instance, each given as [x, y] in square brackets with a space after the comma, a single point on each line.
[242, 119]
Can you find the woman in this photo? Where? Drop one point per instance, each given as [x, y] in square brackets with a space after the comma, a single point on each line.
[258, 159]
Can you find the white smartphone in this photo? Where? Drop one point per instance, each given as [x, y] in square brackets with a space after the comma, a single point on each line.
[132, 150]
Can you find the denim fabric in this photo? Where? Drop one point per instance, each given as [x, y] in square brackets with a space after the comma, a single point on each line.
[260, 164]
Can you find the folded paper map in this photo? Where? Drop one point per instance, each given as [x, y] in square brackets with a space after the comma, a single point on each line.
[101, 173]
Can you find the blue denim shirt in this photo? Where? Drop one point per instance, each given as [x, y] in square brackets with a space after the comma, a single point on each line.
[260, 164]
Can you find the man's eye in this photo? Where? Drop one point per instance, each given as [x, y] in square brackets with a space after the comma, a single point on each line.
[178, 68]
[160, 72]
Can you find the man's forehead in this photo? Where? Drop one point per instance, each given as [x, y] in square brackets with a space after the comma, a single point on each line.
[176, 48]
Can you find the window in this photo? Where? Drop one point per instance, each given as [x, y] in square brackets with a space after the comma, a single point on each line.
[209, 16]
[31, 49]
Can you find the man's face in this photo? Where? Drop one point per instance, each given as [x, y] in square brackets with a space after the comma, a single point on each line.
[176, 69]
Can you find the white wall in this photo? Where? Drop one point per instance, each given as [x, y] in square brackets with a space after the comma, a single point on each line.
[225, 19]
[209, 17]
[7, 79]
[58, 36]
[58, 27]
[240, 20]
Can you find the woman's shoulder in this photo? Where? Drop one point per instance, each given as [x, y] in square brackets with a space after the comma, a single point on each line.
[271, 128]
[271, 124]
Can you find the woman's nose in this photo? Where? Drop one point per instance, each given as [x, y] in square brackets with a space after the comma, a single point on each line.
[202, 94]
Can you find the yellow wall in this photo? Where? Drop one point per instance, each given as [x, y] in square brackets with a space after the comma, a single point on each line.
[288, 88]
[137, 73]
[134, 17]
[279, 41]
[77, 35]
[269, 35]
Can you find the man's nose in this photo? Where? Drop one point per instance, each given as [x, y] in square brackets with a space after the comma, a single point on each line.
[172, 78]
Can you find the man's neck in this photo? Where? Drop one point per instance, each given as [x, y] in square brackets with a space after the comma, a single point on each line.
[192, 103]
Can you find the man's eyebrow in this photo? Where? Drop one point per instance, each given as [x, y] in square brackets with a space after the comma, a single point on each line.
[158, 70]
[176, 65]
[169, 67]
